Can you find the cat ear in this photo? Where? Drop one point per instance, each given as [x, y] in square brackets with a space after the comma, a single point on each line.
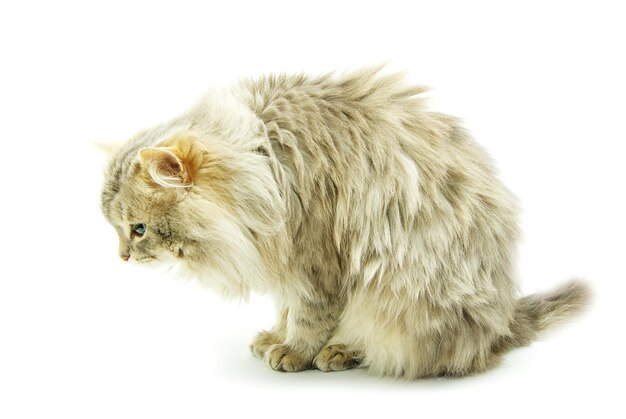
[164, 167]
[174, 165]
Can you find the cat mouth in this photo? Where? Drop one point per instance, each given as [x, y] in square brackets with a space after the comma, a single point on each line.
[147, 259]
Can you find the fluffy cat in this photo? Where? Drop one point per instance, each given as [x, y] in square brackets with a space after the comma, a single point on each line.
[378, 226]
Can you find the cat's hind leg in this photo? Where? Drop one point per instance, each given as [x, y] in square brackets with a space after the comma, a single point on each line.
[408, 339]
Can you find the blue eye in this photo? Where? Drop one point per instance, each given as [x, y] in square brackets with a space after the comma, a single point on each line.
[139, 229]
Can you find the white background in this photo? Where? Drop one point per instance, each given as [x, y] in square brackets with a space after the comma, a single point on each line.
[83, 335]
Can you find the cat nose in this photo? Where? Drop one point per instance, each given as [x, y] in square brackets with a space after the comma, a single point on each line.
[125, 257]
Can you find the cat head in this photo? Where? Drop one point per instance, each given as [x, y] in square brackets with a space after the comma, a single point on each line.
[201, 204]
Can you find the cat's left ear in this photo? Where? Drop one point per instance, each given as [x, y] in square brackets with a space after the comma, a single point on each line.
[174, 165]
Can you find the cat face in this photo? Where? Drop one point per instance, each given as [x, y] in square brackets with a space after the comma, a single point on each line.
[145, 215]
[200, 207]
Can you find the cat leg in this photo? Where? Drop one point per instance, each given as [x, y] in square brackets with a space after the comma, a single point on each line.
[266, 338]
[341, 352]
[338, 357]
[309, 326]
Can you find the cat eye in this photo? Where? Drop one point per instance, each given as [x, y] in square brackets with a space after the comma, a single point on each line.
[138, 229]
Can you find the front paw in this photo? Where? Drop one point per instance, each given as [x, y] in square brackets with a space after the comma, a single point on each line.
[262, 342]
[281, 357]
[337, 358]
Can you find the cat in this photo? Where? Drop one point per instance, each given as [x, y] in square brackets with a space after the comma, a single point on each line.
[379, 227]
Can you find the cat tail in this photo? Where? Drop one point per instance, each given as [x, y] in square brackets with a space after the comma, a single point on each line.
[538, 312]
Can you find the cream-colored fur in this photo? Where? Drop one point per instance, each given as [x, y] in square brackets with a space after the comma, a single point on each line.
[379, 227]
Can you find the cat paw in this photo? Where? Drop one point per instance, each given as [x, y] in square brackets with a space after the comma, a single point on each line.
[282, 358]
[261, 343]
[337, 358]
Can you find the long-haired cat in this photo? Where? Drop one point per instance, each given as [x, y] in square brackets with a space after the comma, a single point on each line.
[378, 226]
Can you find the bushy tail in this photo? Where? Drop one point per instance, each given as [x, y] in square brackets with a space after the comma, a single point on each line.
[538, 312]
